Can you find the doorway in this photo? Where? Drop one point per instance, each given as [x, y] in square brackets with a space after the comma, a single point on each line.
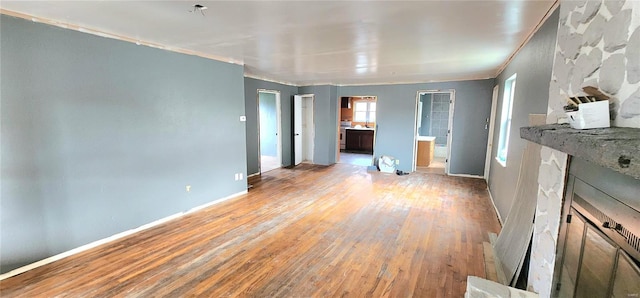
[304, 128]
[269, 130]
[492, 121]
[432, 138]
[357, 127]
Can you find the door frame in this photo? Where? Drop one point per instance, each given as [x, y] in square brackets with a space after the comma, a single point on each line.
[312, 98]
[339, 119]
[452, 101]
[278, 125]
[492, 123]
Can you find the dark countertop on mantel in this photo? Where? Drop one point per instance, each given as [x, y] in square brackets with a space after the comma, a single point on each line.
[616, 148]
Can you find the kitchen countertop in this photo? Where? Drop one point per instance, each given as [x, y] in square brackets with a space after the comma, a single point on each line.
[426, 138]
[361, 128]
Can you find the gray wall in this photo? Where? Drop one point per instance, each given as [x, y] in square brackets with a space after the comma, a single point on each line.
[100, 136]
[533, 65]
[325, 109]
[395, 115]
[268, 124]
[287, 92]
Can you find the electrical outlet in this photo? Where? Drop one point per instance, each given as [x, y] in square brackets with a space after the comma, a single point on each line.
[188, 188]
[397, 161]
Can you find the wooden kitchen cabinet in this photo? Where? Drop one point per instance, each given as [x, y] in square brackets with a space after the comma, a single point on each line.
[359, 140]
[366, 141]
[345, 102]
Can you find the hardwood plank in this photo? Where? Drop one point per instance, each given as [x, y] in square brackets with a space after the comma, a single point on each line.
[489, 263]
[306, 231]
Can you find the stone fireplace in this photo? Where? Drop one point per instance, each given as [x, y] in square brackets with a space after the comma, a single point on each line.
[587, 226]
[597, 45]
[598, 250]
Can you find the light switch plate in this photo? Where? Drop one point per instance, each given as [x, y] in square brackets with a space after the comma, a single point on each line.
[243, 118]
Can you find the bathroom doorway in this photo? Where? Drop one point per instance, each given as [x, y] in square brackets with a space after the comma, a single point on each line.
[432, 138]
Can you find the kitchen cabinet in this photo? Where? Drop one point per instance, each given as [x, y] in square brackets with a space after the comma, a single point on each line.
[359, 140]
[345, 102]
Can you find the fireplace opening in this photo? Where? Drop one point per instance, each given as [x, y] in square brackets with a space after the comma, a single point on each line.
[599, 243]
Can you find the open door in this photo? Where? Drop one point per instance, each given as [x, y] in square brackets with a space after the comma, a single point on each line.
[297, 129]
[303, 129]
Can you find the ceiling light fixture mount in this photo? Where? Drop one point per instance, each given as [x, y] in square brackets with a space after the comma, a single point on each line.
[198, 7]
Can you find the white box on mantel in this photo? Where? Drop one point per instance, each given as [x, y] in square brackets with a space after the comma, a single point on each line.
[590, 115]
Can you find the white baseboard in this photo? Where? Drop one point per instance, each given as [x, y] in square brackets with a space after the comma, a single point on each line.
[252, 175]
[466, 176]
[493, 203]
[113, 238]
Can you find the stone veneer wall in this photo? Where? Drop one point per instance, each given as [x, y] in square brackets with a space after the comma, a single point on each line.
[598, 45]
[553, 167]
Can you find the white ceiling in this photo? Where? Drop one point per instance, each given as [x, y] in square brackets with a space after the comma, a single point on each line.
[317, 42]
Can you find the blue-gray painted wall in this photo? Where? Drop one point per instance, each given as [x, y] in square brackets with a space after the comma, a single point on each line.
[533, 65]
[251, 87]
[395, 115]
[396, 111]
[100, 136]
[268, 124]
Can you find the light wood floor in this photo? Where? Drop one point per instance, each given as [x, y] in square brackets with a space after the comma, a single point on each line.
[436, 167]
[305, 232]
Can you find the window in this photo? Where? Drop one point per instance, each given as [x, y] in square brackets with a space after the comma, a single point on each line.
[505, 120]
[364, 111]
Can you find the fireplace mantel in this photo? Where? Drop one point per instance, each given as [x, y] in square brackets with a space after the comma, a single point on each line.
[616, 148]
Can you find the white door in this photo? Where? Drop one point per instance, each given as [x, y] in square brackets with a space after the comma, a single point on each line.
[490, 125]
[452, 102]
[307, 128]
[297, 129]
